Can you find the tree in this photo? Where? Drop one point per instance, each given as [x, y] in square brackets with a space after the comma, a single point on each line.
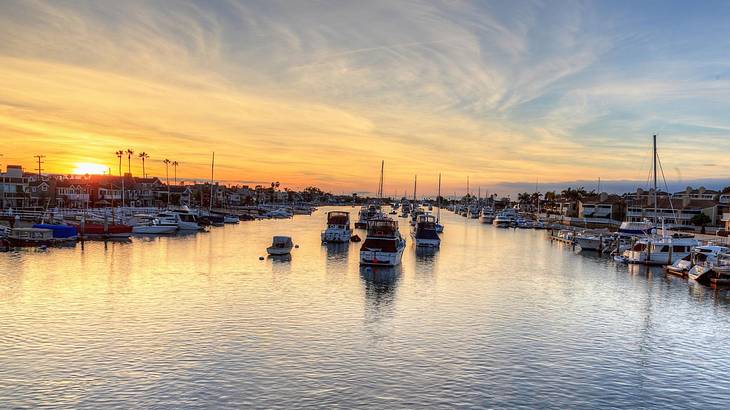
[143, 156]
[726, 190]
[551, 196]
[129, 160]
[701, 220]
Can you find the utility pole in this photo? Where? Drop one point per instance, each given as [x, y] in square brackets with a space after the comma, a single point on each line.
[39, 169]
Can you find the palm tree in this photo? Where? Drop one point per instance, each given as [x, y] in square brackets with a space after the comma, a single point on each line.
[167, 176]
[174, 167]
[120, 153]
[143, 156]
[129, 160]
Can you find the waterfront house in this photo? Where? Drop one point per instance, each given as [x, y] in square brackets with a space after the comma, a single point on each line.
[677, 213]
[14, 188]
[602, 207]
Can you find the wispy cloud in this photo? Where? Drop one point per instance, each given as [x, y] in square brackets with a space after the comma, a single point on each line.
[319, 92]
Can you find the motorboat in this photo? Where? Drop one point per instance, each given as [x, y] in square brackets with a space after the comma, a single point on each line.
[473, 212]
[368, 213]
[280, 245]
[593, 241]
[698, 265]
[505, 219]
[415, 214]
[152, 226]
[184, 219]
[424, 233]
[637, 228]
[338, 227]
[383, 245]
[659, 250]
[486, 216]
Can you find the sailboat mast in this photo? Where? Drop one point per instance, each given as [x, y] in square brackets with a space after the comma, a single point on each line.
[212, 167]
[380, 185]
[438, 201]
[415, 181]
[655, 186]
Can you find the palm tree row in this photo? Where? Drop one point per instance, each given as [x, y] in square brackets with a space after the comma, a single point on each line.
[144, 156]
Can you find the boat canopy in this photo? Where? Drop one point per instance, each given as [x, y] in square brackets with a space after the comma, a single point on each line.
[382, 227]
[59, 231]
[281, 241]
[338, 218]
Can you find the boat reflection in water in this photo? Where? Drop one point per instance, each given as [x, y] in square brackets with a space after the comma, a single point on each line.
[336, 250]
[379, 284]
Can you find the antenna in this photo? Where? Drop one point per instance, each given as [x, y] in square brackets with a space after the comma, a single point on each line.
[40, 169]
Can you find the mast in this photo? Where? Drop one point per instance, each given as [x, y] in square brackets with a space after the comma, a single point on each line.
[438, 201]
[212, 167]
[655, 192]
[380, 184]
[415, 181]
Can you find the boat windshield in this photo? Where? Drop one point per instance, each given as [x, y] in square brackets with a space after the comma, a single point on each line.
[382, 227]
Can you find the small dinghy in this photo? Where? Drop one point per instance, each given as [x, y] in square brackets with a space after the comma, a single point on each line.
[280, 245]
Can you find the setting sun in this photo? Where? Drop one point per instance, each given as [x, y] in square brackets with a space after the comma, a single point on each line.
[82, 168]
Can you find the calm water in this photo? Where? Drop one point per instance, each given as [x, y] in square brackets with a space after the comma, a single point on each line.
[496, 318]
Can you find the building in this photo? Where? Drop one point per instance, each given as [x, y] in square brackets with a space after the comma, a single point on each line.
[699, 193]
[677, 213]
[14, 188]
[602, 206]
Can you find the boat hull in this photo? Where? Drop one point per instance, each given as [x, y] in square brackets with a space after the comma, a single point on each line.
[377, 258]
[278, 251]
[338, 236]
[154, 230]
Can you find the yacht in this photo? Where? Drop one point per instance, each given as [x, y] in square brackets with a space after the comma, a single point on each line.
[383, 245]
[424, 233]
[152, 226]
[662, 250]
[473, 212]
[699, 262]
[338, 227]
[486, 216]
[368, 213]
[506, 218]
[184, 220]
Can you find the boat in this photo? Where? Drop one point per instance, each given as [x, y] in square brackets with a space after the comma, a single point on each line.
[505, 219]
[30, 237]
[183, 219]
[383, 245]
[104, 230]
[662, 250]
[66, 233]
[424, 233]
[338, 227]
[486, 216]
[280, 245]
[152, 226]
[593, 241]
[637, 228]
[231, 219]
[368, 213]
[700, 264]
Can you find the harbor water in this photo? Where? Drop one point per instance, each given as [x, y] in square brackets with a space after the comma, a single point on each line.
[495, 318]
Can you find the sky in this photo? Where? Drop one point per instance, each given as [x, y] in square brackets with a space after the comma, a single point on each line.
[506, 93]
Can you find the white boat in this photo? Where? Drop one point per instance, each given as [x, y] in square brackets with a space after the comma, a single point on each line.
[338, 227]
[424, 233]
[486, 216]
[699, 262]
[659, 250]
[280, 245]
[368, 213]
[505, 219]
[593, 241]
[637, 228]
[184, 220]
[383, 245]
[152, 226]
[281, 213]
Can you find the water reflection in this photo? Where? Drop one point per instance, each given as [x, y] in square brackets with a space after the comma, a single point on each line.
[379, 285]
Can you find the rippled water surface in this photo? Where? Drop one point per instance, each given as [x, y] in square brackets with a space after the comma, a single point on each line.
[496, 318]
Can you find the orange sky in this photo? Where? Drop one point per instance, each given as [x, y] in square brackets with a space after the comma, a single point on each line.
[319, 95]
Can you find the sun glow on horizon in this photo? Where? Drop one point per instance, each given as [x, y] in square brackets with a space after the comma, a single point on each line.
[83, 168]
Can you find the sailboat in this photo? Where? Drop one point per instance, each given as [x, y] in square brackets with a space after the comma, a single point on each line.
[439, 226]
[658, 250]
